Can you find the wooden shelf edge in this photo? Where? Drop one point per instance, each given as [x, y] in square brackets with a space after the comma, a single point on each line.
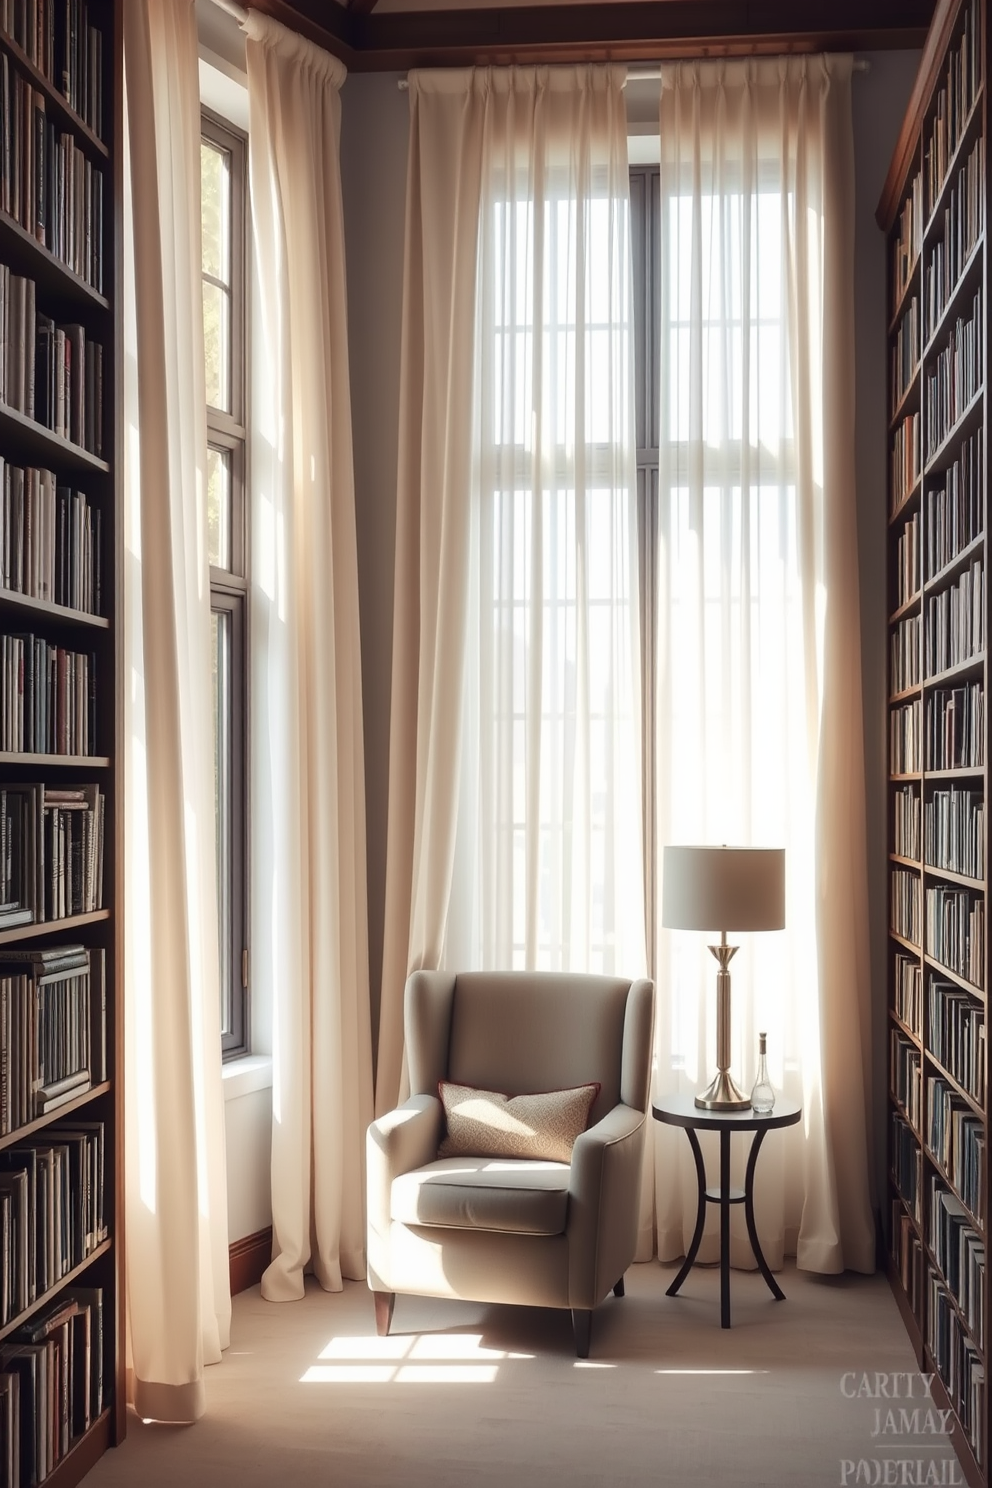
[84, 1454]
[69, 1279]
[14, 599]
[50, 927]
[42, 1123]
[55, 761]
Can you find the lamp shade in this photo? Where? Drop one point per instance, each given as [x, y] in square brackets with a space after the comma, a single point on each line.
[723, 888]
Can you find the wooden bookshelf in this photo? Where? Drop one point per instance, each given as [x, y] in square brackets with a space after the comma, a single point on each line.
[933, 212]
[61, 786]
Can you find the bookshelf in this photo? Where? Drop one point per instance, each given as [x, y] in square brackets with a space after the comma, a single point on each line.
[61, 1050]
[933, 212]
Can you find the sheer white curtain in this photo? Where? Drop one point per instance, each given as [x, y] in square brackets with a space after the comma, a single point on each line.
[178, 1292]
[514, 812]
[759, 726]
[310, 932]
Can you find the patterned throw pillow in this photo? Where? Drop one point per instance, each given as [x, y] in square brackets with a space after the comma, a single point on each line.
[482, 1123]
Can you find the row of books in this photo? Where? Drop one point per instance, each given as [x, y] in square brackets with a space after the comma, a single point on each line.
[47, 183]
[963, 218]
[47, 697]
[955, 931]
[905, 1075]
[908, 240]
[907, 1163]
[906, 832]
[956, 377]
[955, 737]
[50, 540]
[907, 574]
[52, 374]
[954, 831]
[955, 511]
[956, 1138]
[905, 660]
[955, 621]
[51, 1385]
[907, 994]
[58, 39]
[52, 866]
[53, 1030]
[959, 1251]
[907, 1253]
[905, 353]
[906, 905]
[52, 1210]
[959, 1364]
[953, 104]
[957, 1034]
[905, 459]
[906, 737]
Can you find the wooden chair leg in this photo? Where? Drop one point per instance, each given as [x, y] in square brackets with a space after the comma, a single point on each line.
[618, 1289]
[384, 1302]
[582, 1328]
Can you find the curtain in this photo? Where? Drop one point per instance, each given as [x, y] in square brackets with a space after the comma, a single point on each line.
[514, 834]
[310, 931]
[758, 677]
[178, 1292]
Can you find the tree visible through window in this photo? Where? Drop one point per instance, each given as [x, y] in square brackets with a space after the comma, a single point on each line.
[223, 189]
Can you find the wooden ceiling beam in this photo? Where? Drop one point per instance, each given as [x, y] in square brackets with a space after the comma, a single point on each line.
[628, 30]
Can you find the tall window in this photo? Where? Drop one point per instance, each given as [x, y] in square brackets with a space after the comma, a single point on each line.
[223, 155]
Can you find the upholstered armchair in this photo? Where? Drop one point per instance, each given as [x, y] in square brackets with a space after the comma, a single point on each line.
[491, 1228]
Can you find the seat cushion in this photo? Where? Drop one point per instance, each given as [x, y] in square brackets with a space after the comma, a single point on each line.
[523, 1197]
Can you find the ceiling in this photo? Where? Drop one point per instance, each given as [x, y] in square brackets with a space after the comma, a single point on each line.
[374, 35]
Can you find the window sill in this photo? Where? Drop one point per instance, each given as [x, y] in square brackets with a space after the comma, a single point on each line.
[245, 1076]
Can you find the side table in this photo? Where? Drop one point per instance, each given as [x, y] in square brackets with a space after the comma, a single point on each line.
[681, 1110]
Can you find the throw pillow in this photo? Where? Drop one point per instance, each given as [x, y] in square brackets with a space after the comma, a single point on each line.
[483, 1123]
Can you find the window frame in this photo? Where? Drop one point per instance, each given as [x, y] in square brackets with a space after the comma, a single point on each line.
[227, 432]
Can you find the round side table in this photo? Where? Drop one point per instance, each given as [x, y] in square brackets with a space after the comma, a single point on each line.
[681, 1110]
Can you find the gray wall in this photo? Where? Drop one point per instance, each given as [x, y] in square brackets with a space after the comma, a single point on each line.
[880, 99]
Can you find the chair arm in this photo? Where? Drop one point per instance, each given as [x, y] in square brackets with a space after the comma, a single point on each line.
[603, 1194]
[398, 1142]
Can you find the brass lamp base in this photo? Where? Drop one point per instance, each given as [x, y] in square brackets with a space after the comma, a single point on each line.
[723, 1094]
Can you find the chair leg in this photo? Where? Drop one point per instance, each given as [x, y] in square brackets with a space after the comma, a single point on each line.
[582, 1328]
[383, 1311]
[618, 1289]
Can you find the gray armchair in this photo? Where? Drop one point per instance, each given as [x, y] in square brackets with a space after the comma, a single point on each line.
[545, 1234]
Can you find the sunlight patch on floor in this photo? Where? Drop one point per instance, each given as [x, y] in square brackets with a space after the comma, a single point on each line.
[425, 1359]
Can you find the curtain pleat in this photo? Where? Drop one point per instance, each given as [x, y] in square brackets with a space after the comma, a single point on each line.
[310, 919]
[178, 1292]
[759, 720]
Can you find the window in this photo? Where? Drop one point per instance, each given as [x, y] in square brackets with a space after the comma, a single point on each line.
[718, 523]
[223, 183]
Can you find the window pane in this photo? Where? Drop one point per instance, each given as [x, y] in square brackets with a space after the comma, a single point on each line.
[219, 507]
[215, 196]
[221, 637]
[217, 346]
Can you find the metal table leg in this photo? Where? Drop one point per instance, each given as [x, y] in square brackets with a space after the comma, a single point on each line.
[752, 1232]
[697, 1234]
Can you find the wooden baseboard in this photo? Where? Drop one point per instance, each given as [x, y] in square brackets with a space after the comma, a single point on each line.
[249, 1258]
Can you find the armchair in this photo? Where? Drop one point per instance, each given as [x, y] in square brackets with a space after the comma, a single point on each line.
[531, 1231]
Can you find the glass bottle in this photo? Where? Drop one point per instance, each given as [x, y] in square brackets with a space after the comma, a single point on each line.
[762, 1095]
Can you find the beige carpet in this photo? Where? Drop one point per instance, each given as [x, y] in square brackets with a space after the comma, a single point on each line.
[464, 1395]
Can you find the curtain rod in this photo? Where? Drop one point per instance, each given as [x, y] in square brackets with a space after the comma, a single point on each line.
[634, 74]
[233, 9]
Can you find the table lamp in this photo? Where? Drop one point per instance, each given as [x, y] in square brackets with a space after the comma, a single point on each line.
[723, 888]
